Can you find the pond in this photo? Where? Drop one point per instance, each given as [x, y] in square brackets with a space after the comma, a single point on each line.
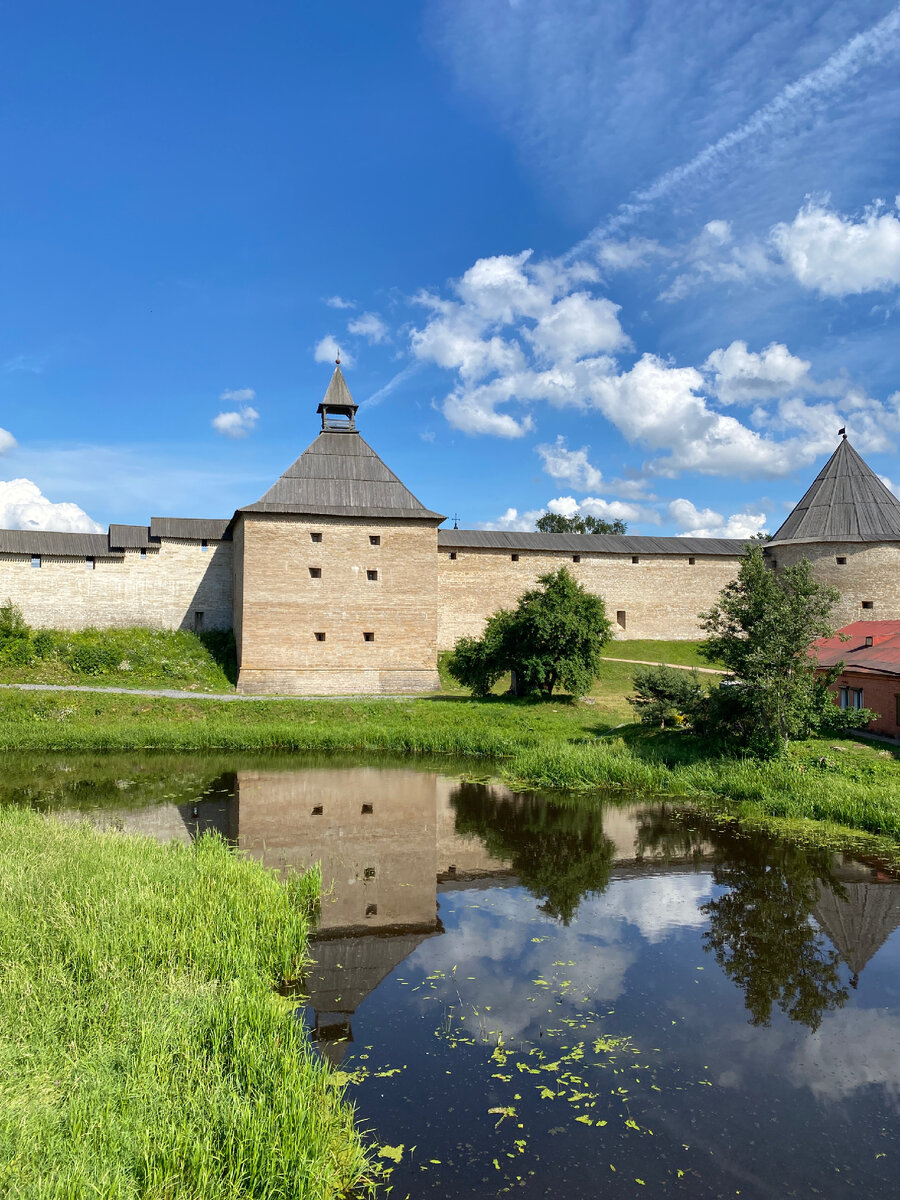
[543, 995]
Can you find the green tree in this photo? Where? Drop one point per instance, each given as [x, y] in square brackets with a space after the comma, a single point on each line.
[664, 694]
[555, 523]
[553, 638]
[761, 629]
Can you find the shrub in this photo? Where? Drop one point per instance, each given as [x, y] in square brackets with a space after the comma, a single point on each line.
[664, 694]
[12, 622]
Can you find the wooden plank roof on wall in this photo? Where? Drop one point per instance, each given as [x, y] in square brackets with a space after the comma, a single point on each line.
[587, 543]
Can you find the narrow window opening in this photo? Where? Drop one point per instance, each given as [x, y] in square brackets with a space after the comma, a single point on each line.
[315, 572]
[692, 562]
[374, 539]
[868, 603]
[204, 545]
[576, 558]
[620, 618]
[143, 552]
[89, 564]
[452, 555]
[315, 537]
[369, 637]
[371, 910]
[371, 575]
[514, 557]
[851, 697]
[368, 809]
[841, 561]
[320, 637]
[451, 870]
[198, 622]
[35, 560]
[868, 641]
[369, 873]
[635, 559]
[317, 810]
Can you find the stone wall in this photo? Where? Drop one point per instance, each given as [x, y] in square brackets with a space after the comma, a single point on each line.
[657, 597]
[870, 575]
[375, 577]
[164, 590]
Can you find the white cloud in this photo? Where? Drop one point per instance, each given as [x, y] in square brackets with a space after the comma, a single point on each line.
[328, 350]
[24, 506]
[238, 395]
[837, 256]
[740, 375]
[606, 510]
[570, 465]
[706, 522]
[236, 423]
[514, 521]
[628, 255]
[370, 326]
[7, 441]
[339, 302]
[577, 326]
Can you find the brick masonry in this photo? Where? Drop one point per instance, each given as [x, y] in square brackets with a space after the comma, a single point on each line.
[881, 693]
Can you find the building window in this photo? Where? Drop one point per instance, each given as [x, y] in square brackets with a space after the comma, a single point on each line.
[620, 618]
[371, 575]
[315, 537]
[514, 558]
[143, 552]
[367, 810]
[371, 910]
[89, 563]
[452, 555]
[374, 539]
[691, 562]
[851, 697]
[369, 637]
[576, 558]
[868, 641]
[841, 561]
[204, 545]
[635, 559]
[868, 603]
[315, 572]
[317, 810]
[198, 621]
[320, 637]
[369, 873]
[35, 560]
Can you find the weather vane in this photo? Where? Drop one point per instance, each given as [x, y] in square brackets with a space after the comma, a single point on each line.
[843, 432]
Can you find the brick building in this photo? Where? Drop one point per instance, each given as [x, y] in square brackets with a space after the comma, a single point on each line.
[339, 580]
[870, 652]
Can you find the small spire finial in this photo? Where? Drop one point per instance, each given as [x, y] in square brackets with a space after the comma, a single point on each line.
[337, 361]
[455, 521]
[843, 432]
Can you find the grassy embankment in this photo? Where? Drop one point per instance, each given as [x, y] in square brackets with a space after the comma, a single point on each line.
[550, 745]
[144, 1050]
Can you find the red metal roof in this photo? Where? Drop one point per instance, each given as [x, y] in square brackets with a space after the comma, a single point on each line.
[849, 646]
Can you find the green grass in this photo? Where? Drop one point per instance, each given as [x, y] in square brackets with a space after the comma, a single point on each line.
[556, 744]
[134, 658]
[144, 1051]
[676, 654]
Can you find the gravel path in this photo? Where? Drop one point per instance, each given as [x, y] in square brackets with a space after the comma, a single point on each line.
[172, 694]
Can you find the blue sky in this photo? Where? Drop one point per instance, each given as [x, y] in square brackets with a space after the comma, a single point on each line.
[641, 259]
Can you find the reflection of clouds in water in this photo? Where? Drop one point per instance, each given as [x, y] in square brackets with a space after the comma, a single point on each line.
[656, 906]
[850, 1049]
[494, 944]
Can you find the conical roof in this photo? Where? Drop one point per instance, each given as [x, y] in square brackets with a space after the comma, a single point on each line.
[846, 503]
[341, 475]
[859, 922]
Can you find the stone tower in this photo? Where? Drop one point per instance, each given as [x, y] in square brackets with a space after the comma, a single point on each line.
[335, 577]
[848, 526]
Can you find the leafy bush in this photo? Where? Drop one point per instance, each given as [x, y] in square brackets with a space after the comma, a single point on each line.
[16, 651]
[664, 694]
[12, 622]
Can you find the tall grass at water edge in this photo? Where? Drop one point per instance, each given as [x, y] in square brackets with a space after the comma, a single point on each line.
[144, 1051]
[552, 745]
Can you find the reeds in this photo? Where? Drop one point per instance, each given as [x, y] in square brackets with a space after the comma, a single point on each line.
[144, 1051]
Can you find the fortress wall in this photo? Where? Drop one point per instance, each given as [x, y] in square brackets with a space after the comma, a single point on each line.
[871, 573]
[164, 590]
[660, 595]
[283, 606]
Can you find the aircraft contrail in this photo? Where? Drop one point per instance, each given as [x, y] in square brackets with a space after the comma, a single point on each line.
[863, 50]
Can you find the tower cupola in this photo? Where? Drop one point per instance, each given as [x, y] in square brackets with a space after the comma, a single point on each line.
[338, 410]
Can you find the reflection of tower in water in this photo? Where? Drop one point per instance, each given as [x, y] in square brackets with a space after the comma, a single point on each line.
[859, 915]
